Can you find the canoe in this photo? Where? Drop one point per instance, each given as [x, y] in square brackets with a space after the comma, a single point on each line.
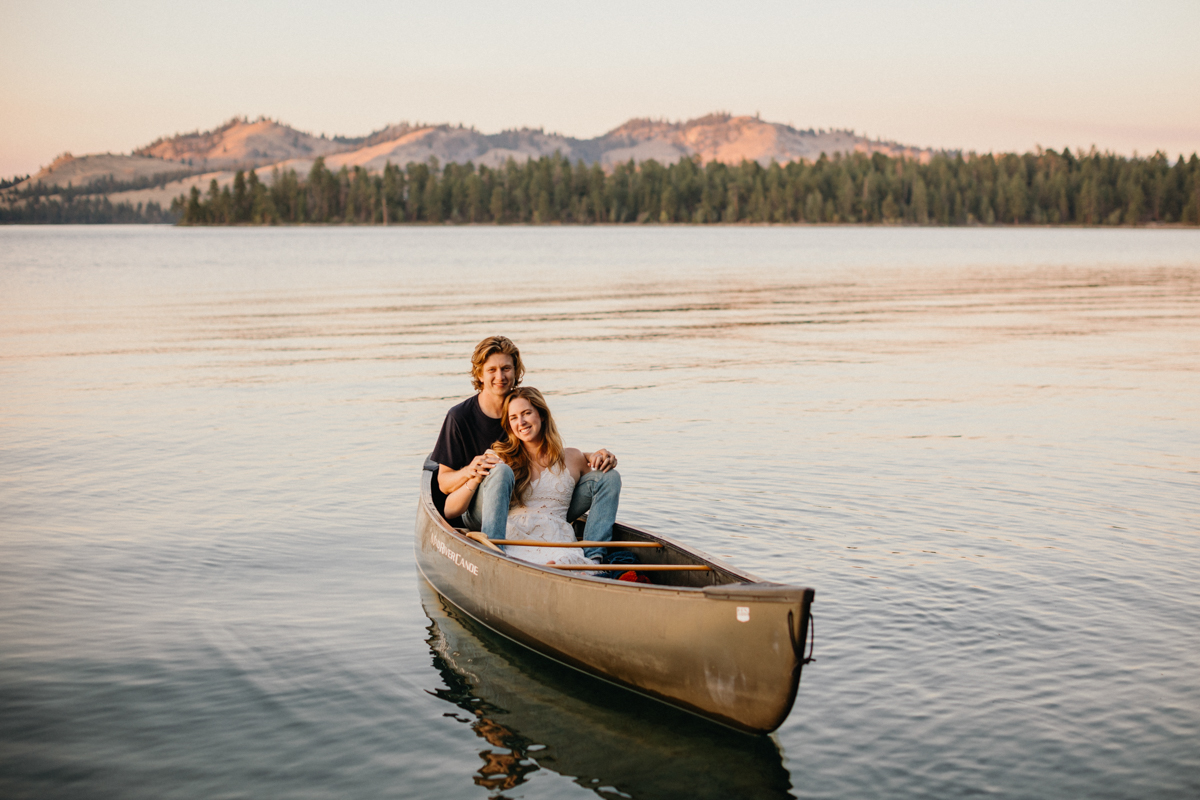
[709, 639]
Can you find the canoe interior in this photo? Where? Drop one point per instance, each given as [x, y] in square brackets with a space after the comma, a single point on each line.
[669, 553]
[718, 574]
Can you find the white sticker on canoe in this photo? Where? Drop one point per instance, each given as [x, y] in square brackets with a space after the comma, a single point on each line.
[440, 546]
[743, 613]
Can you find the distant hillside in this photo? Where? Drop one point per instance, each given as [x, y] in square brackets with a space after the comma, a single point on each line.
[717, 137]
[730, 140]
[69, 170]
[242, 144]
[717, 168]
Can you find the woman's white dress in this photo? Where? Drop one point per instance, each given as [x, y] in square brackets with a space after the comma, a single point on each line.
[544, 518]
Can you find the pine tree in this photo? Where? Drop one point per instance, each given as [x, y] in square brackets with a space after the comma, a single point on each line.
[194, 215]
[240, 211]
[920, 201]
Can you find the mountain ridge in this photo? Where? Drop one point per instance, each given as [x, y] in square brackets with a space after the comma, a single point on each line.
[241, 143]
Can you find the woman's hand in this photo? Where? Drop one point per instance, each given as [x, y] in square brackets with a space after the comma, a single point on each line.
[601, 460]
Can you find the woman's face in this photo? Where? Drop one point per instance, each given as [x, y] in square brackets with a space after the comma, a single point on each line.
[524, 420]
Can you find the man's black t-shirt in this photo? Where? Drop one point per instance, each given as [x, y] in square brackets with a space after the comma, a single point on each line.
[466, 433]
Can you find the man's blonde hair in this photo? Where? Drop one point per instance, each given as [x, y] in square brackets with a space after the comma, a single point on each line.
[485, 350]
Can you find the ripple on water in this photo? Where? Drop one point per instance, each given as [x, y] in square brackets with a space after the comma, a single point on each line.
[978, 446]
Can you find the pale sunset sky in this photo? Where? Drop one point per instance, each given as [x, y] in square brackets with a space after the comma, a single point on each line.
[1007, 75]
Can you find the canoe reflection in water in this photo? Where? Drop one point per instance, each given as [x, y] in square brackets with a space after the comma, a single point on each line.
[537, 714]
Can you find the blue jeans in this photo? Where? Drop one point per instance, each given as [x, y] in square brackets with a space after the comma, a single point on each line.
[597, 493]
[488, 512]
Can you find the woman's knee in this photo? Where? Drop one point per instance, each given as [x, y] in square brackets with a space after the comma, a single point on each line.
[610, 480]
[501, 473]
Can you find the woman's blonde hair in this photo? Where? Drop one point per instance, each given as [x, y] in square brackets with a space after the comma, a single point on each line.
[512, 450]
[489, 347]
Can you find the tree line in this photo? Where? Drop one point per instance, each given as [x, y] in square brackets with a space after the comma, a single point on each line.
[1045, 187]
[13, 181]
[85, 204]
[102, 185]
[83, 210]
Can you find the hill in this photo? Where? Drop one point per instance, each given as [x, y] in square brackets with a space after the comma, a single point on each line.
[69, 170]
[240, 143]
[244, 144]
[730, 140]
[717, 137]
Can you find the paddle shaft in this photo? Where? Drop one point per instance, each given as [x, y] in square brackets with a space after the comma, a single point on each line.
[536, 543]
[598, 567]
[476, 536]
[635, 567]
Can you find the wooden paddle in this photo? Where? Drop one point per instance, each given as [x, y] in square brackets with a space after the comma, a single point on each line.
[483, 540]
[479, 537]
[635, 567]
[536, 543]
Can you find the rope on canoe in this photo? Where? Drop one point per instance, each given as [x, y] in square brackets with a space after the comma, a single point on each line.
[811, 639]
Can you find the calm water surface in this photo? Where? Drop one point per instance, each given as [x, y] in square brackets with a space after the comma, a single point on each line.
[980, 447]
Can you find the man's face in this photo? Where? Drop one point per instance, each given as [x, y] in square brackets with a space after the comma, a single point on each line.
[497, 375]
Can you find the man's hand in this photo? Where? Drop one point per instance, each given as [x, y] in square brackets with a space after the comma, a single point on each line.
[452, 480]
[480, 466]
[601, 460]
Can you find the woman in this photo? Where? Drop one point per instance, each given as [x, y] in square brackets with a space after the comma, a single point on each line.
[545, 474]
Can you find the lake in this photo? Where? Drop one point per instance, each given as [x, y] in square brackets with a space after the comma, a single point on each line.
[981, 447]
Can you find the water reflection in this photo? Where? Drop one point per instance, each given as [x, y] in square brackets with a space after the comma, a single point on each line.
[536, 714]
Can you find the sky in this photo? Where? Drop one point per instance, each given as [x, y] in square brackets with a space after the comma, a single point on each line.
[1007, 75]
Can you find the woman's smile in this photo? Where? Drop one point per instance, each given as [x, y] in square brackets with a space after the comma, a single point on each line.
[524, 420]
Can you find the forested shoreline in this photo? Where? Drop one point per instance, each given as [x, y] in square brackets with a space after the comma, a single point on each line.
[90, 204]
[1037, 188]
[1043, 188]
[74, 210]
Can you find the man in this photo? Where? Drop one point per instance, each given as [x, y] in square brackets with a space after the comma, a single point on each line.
[468, 433]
